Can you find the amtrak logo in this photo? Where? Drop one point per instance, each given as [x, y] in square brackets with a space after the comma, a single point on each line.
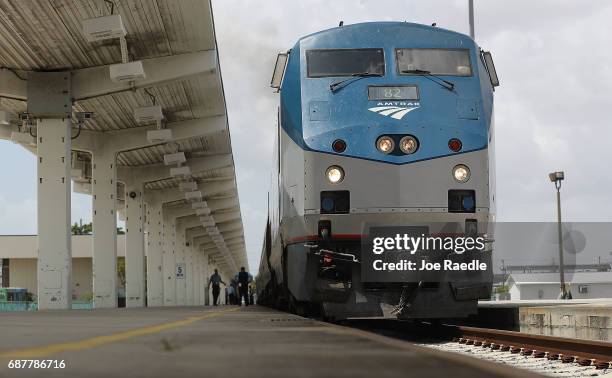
[396, 110]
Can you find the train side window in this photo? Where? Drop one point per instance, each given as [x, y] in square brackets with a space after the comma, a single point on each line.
[345, 62]
[490, 66]
[450, 62]
[279, 70]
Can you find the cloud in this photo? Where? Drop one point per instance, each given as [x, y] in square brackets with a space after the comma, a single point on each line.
[18, 217]
[551, 110]
[18, 197]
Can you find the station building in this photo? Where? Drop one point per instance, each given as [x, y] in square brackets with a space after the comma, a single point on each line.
[125, 103]
[583, 285]
[20, 257]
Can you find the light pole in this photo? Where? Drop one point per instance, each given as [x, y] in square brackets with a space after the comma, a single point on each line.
[471, 17]
[557, 177]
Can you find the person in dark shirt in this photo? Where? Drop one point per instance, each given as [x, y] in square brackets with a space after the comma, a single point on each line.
[244, 278]
[215, 279]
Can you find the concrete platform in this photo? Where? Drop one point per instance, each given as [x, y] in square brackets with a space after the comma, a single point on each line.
[543, 302]
[216, 342]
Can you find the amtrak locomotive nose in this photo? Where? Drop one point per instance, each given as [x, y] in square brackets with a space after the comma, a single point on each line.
[388, 123]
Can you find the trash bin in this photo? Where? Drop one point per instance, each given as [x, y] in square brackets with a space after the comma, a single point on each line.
[17, 294]
[121, 297]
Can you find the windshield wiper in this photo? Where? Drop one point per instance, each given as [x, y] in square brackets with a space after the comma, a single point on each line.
[356, 76]
[428, 75]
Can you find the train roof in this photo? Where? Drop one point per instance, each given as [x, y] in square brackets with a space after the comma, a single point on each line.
[376, 24]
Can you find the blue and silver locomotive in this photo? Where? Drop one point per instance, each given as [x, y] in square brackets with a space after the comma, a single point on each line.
[379, 123]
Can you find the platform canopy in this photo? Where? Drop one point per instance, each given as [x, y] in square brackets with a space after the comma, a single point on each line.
[175, 42]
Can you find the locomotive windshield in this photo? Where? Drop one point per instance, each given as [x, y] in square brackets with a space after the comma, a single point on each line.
[345, 62]
[434, 61]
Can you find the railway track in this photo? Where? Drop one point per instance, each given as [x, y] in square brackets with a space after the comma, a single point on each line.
[549, 355]
[583, 352]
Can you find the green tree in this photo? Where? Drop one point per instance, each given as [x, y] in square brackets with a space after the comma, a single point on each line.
[81, 229]
[121, 270]
[501, 289]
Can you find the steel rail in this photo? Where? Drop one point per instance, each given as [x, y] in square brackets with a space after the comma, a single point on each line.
[584, 352]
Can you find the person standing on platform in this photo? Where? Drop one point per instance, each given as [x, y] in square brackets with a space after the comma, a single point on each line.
[215, 280]
[244, 279]
[231, 290]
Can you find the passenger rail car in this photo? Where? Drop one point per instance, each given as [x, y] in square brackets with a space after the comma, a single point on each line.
[379, 123]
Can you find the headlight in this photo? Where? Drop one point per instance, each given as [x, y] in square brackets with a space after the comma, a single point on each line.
[385, 144]
[408, 144]
[334, 174]
[461, 173]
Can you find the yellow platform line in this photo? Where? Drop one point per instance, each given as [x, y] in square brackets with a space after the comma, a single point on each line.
[97, 341]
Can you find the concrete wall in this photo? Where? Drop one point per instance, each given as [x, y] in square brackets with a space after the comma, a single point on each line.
[26, 246]
[22, 252]
[23, 274]
[551, 291]
[574, 321]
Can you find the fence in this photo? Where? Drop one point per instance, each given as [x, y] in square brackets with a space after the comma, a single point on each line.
[6, 306]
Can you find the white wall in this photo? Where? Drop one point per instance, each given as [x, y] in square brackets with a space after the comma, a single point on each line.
[26, 246]
[551, 291]
[598, 290]
[23, 274]
[515, 293]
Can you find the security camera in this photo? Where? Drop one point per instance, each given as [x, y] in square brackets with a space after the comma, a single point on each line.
[84, 116]
[132, 195]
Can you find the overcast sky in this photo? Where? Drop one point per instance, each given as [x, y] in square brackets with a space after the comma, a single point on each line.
[551, 112]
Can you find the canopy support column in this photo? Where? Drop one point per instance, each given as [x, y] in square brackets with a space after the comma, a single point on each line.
[54, 232]
[104, 189]
[134, 246]
[181, 263]
[155, 288]
[191, 277]
[169, 260]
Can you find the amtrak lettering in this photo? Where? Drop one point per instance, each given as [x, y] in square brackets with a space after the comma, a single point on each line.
[395, 109]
